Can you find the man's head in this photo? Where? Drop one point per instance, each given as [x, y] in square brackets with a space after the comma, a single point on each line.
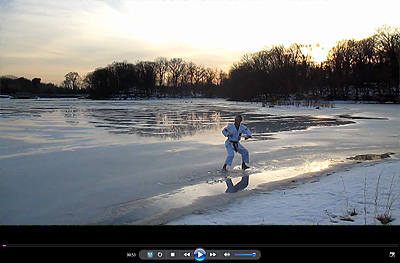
[238, 119]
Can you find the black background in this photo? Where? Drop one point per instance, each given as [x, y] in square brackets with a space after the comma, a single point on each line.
[276, 243]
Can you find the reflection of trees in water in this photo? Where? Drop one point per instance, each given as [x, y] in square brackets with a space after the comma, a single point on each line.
[30, 111]
[22, 112]
[170, 124]
[175, 124]
[180, 124]
[164, 120]
[71, 116]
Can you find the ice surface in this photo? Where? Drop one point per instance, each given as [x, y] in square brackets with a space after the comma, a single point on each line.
[130, 162]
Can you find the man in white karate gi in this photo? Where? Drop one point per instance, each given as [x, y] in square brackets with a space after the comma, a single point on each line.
[233, 133]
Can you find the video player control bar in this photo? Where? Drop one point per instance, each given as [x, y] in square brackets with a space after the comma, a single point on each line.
[199, 254]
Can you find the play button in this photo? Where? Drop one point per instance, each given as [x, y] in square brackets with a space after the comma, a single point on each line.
[199, 254]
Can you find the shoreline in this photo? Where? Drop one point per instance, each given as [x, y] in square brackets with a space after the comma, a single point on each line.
[239, 211]
[197, 203]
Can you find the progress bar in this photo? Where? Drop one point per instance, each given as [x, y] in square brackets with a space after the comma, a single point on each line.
[344, 245]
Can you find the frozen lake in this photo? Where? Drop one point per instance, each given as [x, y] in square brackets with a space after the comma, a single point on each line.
[150, 162]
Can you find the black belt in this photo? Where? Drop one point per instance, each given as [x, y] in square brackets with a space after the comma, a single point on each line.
[235, 145]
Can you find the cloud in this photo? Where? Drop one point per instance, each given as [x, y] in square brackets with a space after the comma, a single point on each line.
[41, 38]
[51, 36]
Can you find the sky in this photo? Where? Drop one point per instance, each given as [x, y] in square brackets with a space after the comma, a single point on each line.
[48, 39]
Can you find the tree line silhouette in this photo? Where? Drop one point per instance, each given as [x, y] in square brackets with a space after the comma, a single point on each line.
[11, 85]
[160, 78]
[366, 69]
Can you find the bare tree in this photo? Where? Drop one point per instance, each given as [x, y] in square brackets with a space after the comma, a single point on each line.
[221, 76]
[88, 81]
[210, 76]
[388, 44]
[72, 81]
[388, 41]
[160, 69]
[177, 67]
[199, 74]
[191, 72]
[146, 76]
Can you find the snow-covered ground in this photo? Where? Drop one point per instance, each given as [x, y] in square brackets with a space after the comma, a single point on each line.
[154, 162]
[370, 189]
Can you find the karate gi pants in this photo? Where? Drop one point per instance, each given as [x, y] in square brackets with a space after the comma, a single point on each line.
[231, 152]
